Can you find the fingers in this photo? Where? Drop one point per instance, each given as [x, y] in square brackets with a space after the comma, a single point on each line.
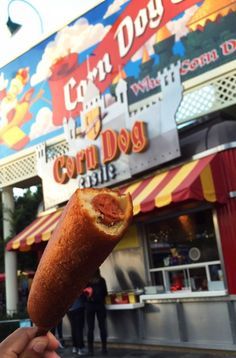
[52, 341]
[18, 340]
[24, 343]
[43, 346]
[44, 354]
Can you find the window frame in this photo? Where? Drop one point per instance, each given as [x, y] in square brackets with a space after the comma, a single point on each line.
[150, 270]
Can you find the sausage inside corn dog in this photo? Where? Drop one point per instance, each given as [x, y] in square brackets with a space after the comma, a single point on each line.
[91, 225]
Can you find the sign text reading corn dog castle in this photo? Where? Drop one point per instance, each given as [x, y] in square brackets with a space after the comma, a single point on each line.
[111, 132]
[112, 144]
[115, 142]
[109, 136]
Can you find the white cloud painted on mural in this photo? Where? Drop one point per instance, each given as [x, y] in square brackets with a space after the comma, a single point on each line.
[115, 7]
[82, 35]
[71, 39]
[43, 124]
[176, 27]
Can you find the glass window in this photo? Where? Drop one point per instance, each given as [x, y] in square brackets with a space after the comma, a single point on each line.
[183, 253]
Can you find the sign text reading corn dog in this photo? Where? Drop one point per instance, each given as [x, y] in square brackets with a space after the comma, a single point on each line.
[138, 22]
[112, 145]
[116, 141]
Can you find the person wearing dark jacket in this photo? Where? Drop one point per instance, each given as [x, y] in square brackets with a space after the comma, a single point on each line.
[96, 292]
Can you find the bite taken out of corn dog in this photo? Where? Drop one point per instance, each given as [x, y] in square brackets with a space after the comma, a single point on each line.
[92, 223]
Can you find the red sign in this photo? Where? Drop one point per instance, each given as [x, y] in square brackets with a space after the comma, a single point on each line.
[134, 27]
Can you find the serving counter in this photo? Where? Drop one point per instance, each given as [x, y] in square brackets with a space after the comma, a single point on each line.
[200, 320]
[125, 306]
[181, 294]
[197, 320]
[125, 322]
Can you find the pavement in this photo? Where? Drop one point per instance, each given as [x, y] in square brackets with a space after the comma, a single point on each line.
[129, 351]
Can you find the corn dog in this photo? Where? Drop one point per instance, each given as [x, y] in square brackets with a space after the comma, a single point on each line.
[92, 223]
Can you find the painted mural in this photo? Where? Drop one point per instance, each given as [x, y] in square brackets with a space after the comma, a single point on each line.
[46, 86]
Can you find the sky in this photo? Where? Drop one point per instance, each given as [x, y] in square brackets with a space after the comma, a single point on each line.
[20, 192]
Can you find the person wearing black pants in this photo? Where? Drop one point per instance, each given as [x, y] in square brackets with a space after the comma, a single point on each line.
[76, 315]
[95, 307]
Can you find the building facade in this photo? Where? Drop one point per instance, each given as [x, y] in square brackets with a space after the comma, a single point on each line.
[152, 114]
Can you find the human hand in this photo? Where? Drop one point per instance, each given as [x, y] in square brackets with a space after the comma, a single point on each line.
[24, 343]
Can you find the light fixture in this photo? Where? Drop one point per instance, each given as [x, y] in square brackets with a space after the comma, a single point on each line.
[12, 26]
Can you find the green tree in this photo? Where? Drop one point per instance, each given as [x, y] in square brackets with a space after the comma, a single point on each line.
[26, 208]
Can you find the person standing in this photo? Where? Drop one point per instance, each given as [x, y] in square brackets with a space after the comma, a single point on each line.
[76, 315]
[96, 292]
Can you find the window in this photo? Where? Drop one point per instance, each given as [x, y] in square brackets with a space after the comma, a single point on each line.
[183, 254]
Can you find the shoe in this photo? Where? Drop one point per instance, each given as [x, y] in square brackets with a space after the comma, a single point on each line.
[104, 352]
[74, 350]
[81, 352]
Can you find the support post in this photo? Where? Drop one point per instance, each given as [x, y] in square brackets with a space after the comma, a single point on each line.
[10, 256]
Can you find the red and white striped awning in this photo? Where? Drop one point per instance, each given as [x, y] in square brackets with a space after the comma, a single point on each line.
[197, 180]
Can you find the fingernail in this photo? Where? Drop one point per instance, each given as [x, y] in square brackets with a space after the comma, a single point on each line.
[39, 347]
